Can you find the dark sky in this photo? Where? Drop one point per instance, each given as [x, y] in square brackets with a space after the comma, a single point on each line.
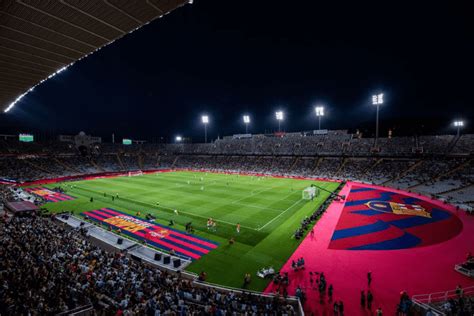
[226, 58]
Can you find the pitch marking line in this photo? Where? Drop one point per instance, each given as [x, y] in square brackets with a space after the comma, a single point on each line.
[271, 221]
[183, 212]
[200, 216]
[253, 194]
[273, 210]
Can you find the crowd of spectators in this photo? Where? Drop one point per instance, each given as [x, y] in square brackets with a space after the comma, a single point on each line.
[459, 306]
[337, 155]
[47, 269]
[36, 260]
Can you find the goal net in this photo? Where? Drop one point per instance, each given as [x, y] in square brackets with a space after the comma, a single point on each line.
[135, 173]
[309, 193]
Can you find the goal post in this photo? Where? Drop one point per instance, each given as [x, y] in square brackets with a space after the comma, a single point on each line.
[135, 173]
[309, 193]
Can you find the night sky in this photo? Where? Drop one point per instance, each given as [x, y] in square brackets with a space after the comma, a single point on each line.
[229, 58]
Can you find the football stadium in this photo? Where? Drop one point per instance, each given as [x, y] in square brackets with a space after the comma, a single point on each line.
[273, 215]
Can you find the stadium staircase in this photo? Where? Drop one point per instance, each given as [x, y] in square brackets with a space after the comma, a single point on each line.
[158, 161]
[463, 187]
[140, 161]
[452, 144]
[37, 166]
[457, 168]
[440, 176]
[294, 164]
[96, 165]
[318, 162]
[65, 166]
[120, 162]
[174, 162]
[341, 167]
[405, 172]
[366, 171]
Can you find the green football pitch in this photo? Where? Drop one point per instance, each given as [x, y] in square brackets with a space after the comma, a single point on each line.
[268, 209]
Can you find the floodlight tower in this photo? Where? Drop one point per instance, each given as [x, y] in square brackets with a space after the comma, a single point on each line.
[377, 100]
[319, 113]
[458, 124]
[205, 121]
[279, 116]
[179, 139]
[246, 122]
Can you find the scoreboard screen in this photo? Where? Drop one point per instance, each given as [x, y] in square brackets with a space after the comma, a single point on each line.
[126, 141]
[26, 138]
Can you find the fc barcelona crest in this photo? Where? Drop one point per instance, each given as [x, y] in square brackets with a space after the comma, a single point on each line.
[398, 208]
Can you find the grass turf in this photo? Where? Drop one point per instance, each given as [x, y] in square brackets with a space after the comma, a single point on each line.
[268, 209]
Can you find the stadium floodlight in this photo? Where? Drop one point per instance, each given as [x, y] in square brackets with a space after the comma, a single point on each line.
[458, 124]
[377, 100]
[319, 113]
[179, 139]
[279, 116]
[205, 121]
[246, 119]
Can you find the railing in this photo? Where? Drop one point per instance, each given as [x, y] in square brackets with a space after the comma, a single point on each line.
[429, 301]
[442, 296]
[292, 299]
[85, 310]
[459, 268]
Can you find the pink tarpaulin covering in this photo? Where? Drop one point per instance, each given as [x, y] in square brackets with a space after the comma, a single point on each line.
[420, 268]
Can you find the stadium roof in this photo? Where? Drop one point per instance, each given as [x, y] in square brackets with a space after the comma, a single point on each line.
[39, 39]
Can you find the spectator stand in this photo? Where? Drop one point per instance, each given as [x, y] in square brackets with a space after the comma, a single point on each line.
[436, 301]
[149, 255]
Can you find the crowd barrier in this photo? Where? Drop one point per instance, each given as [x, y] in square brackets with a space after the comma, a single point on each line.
[433, 300]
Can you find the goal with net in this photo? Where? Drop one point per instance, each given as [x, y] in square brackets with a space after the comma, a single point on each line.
[135, 173]
[309, 193]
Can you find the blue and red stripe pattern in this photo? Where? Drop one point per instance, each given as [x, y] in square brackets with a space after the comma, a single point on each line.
[375, 219]
[49, 195]
[183, 244]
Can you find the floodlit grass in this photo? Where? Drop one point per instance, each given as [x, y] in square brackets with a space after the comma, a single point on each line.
[269, 211]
